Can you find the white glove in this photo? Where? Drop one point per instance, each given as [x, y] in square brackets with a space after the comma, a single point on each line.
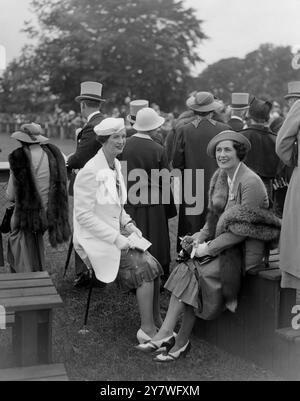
[122, 242]
[133, 229]
[201, 250]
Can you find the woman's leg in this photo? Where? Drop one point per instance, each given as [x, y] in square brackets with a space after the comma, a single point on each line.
[144, 296]
[174, 310]
[185, 329]
[156, 303]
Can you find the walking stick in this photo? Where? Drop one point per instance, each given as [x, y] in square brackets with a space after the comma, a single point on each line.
[84, 330]
[68, 256]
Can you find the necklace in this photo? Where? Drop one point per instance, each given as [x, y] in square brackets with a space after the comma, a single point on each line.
[231, 183]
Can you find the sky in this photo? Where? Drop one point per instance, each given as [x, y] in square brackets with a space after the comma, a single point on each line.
[235, 27]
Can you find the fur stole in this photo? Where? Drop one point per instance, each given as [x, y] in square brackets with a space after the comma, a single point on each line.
[30, 215]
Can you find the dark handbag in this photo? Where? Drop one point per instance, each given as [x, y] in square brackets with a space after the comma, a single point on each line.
[5, 225]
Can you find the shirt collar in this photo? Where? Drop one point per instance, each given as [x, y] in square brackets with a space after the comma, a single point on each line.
[144, 136]
[92, 115]
[198, 119]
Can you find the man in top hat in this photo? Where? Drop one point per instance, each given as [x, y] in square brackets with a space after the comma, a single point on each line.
[262, 158]
[190, 153]
[293, 92]
[134, 107]
[239, 107]
[90, 99]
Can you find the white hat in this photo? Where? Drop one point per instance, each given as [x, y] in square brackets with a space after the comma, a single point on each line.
[135, 106]
[147, 120]
[109, 126]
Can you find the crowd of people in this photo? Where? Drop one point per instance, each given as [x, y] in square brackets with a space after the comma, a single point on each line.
[240, 169]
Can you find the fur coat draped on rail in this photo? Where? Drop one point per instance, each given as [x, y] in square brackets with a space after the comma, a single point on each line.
[30, 215]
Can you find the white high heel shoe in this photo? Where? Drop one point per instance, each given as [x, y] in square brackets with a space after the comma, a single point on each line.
[173, 356]
[142, 337]
[151, 346]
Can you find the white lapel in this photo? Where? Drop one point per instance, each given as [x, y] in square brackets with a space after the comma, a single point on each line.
[106, 177]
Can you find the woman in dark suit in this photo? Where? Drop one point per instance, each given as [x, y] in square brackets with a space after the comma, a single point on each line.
[238, 202]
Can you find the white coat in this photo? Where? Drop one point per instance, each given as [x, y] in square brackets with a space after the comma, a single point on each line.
[98, 212]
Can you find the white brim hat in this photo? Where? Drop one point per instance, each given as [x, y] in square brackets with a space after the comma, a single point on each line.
[148, 120]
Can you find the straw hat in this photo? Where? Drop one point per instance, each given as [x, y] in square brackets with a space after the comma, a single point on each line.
[203, 102]
[30, 133]
[147, 120]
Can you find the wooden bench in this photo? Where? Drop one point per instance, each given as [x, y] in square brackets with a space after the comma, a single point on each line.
[29, 299]
[256, 330]
[52, 372]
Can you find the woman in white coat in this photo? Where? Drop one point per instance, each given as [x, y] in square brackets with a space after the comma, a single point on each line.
[101, 227]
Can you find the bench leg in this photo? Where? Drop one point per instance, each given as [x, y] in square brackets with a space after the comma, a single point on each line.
[32, 337]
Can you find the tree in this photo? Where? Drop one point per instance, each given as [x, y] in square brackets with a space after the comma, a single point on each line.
[140, 48]
[264, 73]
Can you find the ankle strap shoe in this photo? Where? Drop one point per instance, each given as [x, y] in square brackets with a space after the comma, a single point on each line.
[173, 356]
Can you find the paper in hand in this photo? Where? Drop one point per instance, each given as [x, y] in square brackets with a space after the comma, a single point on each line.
[139, 243]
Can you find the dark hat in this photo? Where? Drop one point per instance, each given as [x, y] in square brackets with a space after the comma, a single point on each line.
[90, 90]
[226, 136]
[260, 110]
[30, 133]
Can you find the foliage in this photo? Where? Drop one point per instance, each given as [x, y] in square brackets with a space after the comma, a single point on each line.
[264, 72]
[140, 48]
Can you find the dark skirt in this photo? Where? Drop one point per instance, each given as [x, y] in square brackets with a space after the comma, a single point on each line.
[137, 267]
[153, 223]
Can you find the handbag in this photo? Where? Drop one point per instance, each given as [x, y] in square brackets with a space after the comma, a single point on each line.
[211, 301]
[5, 225]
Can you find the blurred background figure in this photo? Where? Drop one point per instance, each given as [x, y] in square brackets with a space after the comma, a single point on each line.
[239, 108]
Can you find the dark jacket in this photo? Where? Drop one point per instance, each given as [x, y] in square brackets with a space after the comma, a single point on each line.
[235, 124]
[190, 153]
[262, 158]
[87, 145]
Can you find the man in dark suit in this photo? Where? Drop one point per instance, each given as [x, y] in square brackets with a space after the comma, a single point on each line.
[190, 155]
[262, 157]
[239, 108]
[87, 146]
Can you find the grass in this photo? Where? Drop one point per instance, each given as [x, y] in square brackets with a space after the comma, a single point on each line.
[106, 352]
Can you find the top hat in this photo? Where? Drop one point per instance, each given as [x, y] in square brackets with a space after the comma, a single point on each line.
[90, 90]
[260, 110]
[226, 136]
[202, 101]
[147, 120]
[30, 133]
[239, 101]
[134, 107]
[109, 126]
[293, 89]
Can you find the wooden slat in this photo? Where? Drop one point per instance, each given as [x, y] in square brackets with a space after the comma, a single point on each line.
[288, 333]
[41, 372]
[26, 292]
[23, 276]
[46, 282]
[31, 303]
[10, 318]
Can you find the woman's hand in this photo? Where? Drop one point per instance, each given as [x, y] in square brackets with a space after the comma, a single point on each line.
[197, 239]
[133, 229]
[187, 243]
[201, 250]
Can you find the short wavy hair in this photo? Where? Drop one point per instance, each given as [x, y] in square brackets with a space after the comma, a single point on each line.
[241, 150]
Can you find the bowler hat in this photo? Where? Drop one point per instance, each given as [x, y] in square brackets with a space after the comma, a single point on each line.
[147, 120]
[90, 90]
[109, 126]
[30, 133]
[260, 110]
[203, 102]
[226, 136]
[293, 89]
[134, 107]
[239, 101]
